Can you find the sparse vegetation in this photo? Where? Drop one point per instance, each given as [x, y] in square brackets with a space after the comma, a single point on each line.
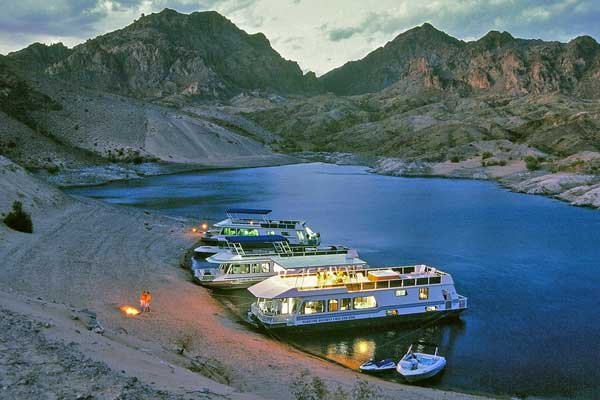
[18, 219]
[306, 387]
[455, 159]
[184, 342]
[532, 163]
[486, 155]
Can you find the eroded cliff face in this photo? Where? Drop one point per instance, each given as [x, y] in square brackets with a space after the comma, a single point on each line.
[426, 58]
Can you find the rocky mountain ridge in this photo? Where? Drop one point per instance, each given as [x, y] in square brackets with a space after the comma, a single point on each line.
[201, 55]
[426, 58]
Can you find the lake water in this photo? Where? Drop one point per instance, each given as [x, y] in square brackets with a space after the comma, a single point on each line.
[528, 264]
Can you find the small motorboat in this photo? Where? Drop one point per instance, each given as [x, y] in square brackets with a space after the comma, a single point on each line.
[418, 366]
[377, 366]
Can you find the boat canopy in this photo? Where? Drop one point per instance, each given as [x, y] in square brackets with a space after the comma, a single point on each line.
[273, 288]
[251, 211]
[256, 239]
[317, 261]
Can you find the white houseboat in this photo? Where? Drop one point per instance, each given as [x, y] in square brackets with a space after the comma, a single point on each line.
[240, 267]
[345, 296]
[253, 223]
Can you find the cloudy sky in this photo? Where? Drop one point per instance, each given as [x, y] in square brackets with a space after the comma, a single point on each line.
[318, 34]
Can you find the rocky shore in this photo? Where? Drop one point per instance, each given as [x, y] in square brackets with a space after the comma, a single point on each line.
[576, 188]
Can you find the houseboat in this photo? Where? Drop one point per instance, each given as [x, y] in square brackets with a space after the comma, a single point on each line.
[346, 296]
[239, 266]
[254, 223]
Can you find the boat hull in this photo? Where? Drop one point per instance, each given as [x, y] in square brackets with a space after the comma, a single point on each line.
[364, 323]
[412, 377]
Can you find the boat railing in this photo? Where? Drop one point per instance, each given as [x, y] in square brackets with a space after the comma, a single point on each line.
[355, 280]
[286, 251]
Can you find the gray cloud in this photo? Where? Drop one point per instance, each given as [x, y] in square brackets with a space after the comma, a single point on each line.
[64, 18]
[557, 19]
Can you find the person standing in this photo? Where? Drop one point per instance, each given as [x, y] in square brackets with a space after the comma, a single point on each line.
[143, 301]
[148, 300]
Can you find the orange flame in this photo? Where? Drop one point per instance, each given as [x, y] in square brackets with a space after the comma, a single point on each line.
[129, 311]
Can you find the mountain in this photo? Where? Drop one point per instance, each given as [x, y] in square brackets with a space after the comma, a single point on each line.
[425, 58]
[201, 55]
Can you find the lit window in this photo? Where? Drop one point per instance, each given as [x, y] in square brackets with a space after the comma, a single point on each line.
[391, 312]
[423, 293]
[431, 308]
[401, 292]
[313, 307]
[333, 305]
[345, 304]
[361, 303]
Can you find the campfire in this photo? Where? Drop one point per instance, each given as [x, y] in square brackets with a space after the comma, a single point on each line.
[129, 311]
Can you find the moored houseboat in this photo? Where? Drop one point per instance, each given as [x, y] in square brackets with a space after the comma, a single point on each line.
[239, 266]
[350, 296]
[254, 223]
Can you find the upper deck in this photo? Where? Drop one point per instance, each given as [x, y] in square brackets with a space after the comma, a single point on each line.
[358, 279]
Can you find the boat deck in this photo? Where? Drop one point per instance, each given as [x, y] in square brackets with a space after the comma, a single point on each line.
[364, 279]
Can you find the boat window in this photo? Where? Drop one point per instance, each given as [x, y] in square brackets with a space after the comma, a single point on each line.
[225, 268]
[264, 267]
[333, 305]
[391, 312]
[408, 282]
[423, 293]
[431, 308]
[345, 304]
[248, 232]
[313, 307]
[285, 233]
[435, 279]
[271, 233]
[396, 283]
[227, 231]
[300, 236]
[409, 270]
[401, 292]
[255, 268]
[240, 269]
[422, 281]
[364, 302]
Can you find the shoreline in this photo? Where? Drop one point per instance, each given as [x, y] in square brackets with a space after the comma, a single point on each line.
[87, 257]
[576, 189]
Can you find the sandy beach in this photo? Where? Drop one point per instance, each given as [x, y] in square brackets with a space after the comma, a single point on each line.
[87, 258]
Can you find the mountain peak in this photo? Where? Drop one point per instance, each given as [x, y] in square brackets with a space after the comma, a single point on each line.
[496, 39]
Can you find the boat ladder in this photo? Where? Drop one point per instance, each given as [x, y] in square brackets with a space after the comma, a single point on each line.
[282, 247]
[238, 248]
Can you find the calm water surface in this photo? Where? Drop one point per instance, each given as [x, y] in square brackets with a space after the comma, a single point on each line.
[529, 264]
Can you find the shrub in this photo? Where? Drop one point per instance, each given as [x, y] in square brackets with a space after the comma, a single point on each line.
[502, 163]
[184, 341]
[138, 159]
[455, 159]
[532, 163]
[486, 155]
[52, 169]
[18, 219]
[362, 390]
[303, 387]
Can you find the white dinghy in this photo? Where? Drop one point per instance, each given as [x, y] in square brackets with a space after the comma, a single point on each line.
[378, 366]
[418, 366]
